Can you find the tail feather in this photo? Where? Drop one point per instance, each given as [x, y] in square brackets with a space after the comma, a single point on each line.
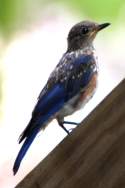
[24, 149]
[26, 131]
[44, 110]
[32, 134]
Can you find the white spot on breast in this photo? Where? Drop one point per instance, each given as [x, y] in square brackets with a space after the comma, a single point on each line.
[92, 66]
[78, 75]
[81, 73]
[62, 80]
[77, 54]
[71, 67]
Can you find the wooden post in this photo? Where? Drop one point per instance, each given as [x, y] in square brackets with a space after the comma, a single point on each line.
[93, 156]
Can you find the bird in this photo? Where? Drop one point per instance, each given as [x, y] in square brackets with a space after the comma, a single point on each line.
[69, 87]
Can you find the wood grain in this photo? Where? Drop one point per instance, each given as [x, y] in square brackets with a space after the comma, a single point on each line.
[93, 156]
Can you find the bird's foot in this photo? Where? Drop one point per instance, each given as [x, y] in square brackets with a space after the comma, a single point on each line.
[68, 122]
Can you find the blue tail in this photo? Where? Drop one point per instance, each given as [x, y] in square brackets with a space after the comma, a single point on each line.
[23, 150]
[51, 104]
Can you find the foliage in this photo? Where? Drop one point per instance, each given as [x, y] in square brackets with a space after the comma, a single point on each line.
[108, 9]
[15, 13]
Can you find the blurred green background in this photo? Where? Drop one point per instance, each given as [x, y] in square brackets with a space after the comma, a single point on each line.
[14, 14]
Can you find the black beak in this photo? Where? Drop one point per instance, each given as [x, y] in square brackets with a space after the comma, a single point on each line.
[102, 26]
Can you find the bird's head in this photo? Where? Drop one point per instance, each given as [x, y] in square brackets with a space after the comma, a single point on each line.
[82, 34]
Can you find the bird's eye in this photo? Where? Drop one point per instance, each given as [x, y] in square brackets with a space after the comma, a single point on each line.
[84, 30]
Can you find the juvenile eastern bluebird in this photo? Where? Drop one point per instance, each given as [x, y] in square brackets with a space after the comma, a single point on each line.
[69, 87]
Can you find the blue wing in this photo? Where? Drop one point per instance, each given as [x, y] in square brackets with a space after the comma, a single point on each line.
[84, 68]
[54, 98]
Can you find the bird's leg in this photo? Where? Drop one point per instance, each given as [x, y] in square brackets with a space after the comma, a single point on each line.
[66, 122]
[63, 127]
[70, 122]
